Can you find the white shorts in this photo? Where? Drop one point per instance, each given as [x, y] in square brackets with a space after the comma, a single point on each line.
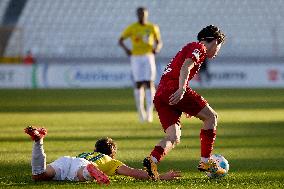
[66, 167]
[143, 67]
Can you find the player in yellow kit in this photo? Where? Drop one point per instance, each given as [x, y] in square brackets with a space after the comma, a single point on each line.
[146, 42]
[96, 165]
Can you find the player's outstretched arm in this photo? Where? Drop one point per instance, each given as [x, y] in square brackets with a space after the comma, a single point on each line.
[143, 175]
[132, 172]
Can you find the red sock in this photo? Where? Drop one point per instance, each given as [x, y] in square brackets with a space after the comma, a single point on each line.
[158, 153]
[207, 138]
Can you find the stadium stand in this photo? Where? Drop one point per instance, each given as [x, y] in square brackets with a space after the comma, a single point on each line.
[91, 28]
[3, 6]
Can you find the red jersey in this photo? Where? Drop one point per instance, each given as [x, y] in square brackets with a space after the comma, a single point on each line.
[195, 51]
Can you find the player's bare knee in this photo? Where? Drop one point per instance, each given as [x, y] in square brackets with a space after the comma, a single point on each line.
[211, 120]
[214, 119]
[175, 139]
[216, 115]
[178, 141]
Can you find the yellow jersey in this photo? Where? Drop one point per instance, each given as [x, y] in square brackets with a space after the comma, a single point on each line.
[104, 162]
[142, 37]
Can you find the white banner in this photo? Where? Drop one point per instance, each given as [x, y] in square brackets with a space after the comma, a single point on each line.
[85, 76]
[15, 76]
[119, 75]
[243, 75]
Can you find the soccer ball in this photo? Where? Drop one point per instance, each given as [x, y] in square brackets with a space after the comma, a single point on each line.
[220, 162]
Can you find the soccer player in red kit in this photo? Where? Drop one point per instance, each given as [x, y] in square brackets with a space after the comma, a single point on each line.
[174, 96]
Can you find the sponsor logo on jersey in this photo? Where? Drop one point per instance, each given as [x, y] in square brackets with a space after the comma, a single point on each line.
[196, 54]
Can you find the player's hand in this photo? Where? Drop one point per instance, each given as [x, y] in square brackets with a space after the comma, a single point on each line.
[171, 175]
[128, 52]
[154, 51]
[177, 96]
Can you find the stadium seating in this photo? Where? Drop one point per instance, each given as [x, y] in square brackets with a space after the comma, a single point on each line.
[91, 28]
[3, 5]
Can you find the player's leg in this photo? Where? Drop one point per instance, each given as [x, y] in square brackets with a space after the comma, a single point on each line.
[92, 172]
[170, 120]
[195, 105]
[77, 169]
[47, 175]
[150, 92]
[139, 95]
[39, 169]
[138, 69]
[149, 77]
[208, 131]
[207, 138]
[172, 138]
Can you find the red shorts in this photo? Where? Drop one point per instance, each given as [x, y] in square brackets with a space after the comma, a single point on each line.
[191, 103]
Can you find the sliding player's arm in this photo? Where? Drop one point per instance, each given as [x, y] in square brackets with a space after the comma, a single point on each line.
[183, 77]
[143, 175]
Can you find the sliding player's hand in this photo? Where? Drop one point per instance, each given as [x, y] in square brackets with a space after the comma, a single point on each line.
[177, 96]
[171, 175]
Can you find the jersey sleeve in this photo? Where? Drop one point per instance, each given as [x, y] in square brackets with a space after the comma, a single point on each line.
[194, 53]
[126, 33]
[113, 165]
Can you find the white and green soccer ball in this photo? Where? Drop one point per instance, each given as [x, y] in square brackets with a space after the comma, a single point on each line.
[221, 162]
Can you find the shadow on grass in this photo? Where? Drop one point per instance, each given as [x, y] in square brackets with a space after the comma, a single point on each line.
[250, 131]
[127, 107]
[69, 108]
[236, 165]
[115, 100]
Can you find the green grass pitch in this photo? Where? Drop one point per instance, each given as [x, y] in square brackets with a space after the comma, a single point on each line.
[250, 135]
